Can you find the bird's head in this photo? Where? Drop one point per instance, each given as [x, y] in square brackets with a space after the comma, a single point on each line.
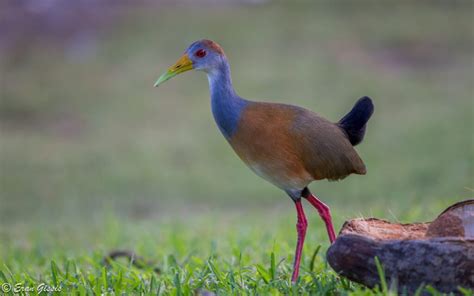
[204, 55]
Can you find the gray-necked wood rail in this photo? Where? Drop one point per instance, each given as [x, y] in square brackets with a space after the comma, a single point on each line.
[286, 145]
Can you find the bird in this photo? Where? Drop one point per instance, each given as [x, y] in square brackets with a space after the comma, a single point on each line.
[287, 145]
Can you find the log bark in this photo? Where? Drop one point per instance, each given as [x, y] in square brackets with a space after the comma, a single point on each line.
[440, 254]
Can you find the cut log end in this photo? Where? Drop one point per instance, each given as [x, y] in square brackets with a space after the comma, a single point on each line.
[440, 253]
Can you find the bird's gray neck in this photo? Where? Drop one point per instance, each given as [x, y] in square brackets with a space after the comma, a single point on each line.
[225, 103]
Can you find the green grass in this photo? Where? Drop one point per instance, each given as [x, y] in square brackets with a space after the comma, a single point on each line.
[226, 258]
[223, 261]
[94, 159]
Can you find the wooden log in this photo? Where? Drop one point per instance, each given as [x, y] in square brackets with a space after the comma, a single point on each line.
[440, 254]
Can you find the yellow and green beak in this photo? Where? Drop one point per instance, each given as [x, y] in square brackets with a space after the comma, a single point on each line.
[182, 65]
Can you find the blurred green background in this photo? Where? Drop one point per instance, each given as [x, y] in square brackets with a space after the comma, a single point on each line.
[84, 135]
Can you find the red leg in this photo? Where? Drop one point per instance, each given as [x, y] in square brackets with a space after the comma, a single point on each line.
[324, 212]
[301, 226]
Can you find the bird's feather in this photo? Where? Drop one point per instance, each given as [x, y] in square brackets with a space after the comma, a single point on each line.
[291, 146]
[354, 122]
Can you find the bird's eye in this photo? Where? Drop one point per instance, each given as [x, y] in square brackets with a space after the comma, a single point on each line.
[200, 53]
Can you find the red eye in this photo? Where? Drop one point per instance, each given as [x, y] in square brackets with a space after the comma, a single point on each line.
[200, 53]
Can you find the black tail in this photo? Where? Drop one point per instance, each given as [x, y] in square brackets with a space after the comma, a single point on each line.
[355, 121]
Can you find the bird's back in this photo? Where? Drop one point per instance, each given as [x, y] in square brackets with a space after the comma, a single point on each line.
[326, 149]
[291, 146]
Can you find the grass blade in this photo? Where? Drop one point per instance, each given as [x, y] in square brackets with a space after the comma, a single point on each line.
[263, 273]
[177, 284]
[313, 258]
[272, 266]
[54, 272]
[381, 272]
